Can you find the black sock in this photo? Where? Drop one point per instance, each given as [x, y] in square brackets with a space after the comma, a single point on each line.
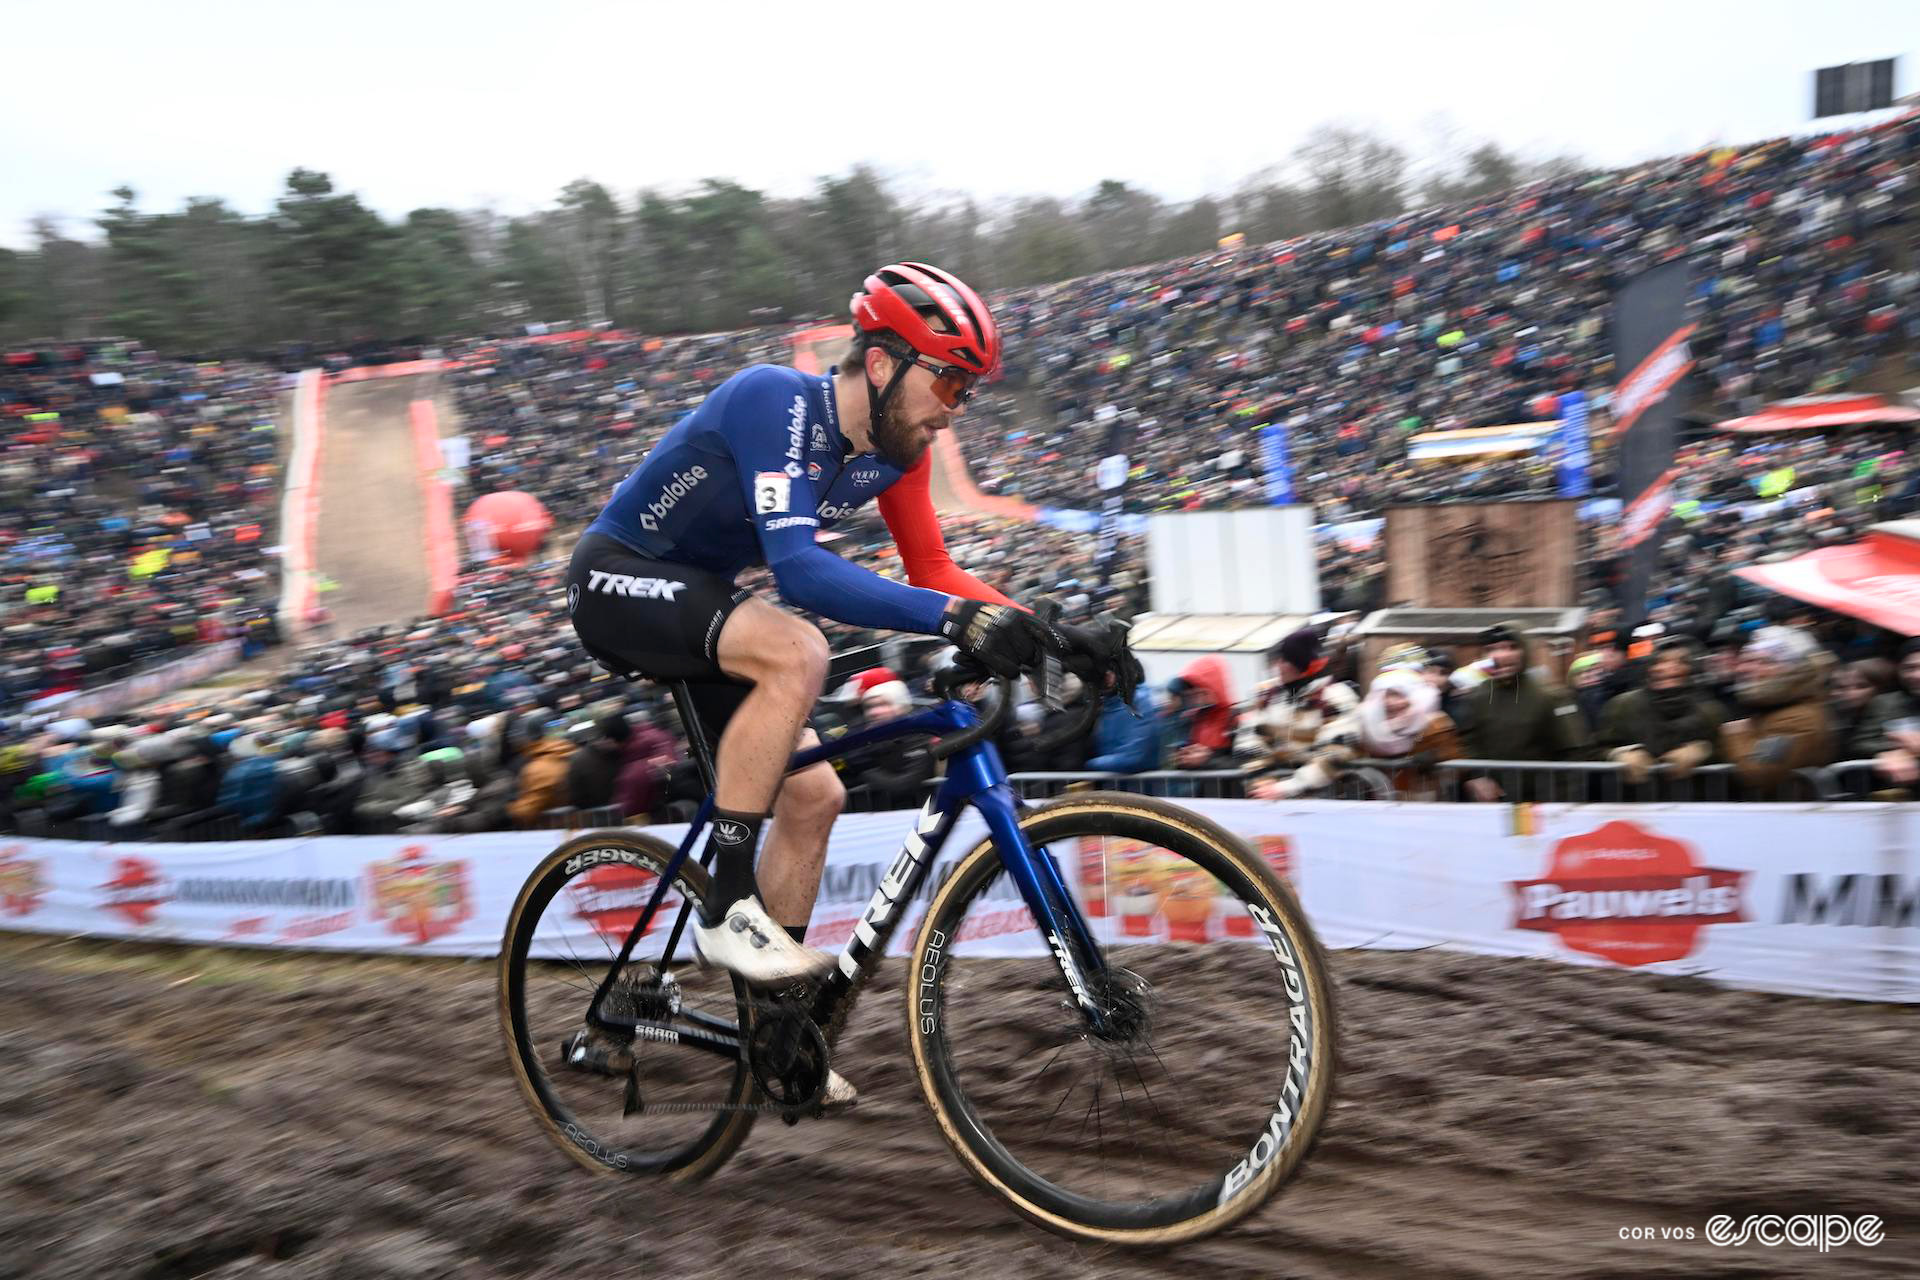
[798, 932]
[735, 836]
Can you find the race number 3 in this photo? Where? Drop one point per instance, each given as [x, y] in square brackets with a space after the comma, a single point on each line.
[769, 491]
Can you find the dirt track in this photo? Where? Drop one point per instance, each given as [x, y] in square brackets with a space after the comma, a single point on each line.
[372, 530]
[234, 1114]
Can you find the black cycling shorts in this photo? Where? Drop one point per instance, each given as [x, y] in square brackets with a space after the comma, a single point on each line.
[654, 618]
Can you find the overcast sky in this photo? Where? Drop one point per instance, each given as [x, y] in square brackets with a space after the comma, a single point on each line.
[413, 103]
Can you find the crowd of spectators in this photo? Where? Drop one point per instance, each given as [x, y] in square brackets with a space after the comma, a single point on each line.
[138, 503]
[1804, 263]
[1453, 317]
[139, 522]
[491, 717]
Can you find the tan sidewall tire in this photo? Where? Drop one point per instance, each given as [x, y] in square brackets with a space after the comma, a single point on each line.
[1316, 981]
[721, 1147]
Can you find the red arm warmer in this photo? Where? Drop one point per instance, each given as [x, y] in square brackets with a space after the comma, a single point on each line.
[907, 508]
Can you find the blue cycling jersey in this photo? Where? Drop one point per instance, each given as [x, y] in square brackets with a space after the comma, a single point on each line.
[747, 478]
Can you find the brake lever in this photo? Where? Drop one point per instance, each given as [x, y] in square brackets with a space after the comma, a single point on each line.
[1051, 668]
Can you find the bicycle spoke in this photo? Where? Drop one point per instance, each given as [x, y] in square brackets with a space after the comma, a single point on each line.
[1047, 1128]
[1092, 1107]
[1042, 1073]
[1154, 1103]
[1132, 1137]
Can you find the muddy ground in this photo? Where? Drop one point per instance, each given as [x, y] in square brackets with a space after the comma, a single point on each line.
[177, 1112]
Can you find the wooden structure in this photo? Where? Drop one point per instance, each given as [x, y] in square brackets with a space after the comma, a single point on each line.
[1483, 555]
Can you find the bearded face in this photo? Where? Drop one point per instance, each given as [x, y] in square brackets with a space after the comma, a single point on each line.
[901, 438]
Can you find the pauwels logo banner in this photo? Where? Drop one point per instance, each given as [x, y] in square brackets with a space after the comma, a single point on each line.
[1628, 895]
[1650, 344]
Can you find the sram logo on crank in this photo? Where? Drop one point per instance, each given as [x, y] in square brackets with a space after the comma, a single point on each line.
[1299, 1062]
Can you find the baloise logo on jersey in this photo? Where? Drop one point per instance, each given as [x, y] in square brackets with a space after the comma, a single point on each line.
[1627, 895]
[674, 490]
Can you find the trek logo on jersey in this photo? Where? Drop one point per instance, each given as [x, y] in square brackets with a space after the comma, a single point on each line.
[625, 584]
[796, 427]
[674, 490]
[770, 491]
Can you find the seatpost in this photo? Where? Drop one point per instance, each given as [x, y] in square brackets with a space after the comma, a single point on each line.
[696, 736]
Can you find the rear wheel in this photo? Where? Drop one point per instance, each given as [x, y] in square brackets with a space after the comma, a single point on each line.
[1209, 1083]
[563, 934]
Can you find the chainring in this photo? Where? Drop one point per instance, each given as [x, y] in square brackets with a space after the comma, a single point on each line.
[788, 1057]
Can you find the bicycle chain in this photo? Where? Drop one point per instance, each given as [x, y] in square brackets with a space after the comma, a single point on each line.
[780, 1007]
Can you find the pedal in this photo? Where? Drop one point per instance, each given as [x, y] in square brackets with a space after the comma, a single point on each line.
[581, 1052]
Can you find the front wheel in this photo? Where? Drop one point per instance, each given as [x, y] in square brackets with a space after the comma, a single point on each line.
[1210, 1081]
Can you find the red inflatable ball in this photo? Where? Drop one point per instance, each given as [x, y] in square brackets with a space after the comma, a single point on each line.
[511, 524]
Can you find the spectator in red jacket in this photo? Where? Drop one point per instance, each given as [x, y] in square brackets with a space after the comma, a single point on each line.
[1204, 715]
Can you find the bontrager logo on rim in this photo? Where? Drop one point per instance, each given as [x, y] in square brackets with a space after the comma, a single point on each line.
[1300, 1064]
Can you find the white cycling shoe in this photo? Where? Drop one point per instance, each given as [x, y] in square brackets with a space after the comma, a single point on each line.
[748, 943]
[839, 1093]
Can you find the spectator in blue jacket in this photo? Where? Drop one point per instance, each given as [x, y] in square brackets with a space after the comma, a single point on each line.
[248, 791]
[1127, 741]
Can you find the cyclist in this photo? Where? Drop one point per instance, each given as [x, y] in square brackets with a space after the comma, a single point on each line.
[772, 456]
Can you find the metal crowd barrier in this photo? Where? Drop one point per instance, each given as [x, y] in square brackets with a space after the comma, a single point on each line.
[1860, 780]
[1602, 782]
[1355, 783]
[1565, 782]
[1568, 782]
[568, 818]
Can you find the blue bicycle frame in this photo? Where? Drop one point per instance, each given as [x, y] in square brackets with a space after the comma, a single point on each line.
[976, 777]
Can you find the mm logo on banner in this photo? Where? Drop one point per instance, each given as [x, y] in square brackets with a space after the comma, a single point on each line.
[1627, 895]
[22, 882]
[417, 897]
[135, 892]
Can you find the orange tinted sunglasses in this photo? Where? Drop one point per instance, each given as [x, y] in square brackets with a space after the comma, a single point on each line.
[953, 386]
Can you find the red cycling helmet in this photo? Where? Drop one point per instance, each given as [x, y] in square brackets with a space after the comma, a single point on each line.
[933, 312]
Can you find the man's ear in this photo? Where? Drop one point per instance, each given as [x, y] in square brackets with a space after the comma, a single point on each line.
[879, 366]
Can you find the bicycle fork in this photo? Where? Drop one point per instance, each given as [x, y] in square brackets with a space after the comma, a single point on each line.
[1056, 914]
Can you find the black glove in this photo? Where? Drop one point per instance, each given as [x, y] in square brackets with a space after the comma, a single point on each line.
[1097, 649]
[1004, 640]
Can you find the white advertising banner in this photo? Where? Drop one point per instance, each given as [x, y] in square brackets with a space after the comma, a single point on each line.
[1799, 899]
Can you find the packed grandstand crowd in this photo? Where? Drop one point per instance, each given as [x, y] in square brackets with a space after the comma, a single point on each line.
[137, 517]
